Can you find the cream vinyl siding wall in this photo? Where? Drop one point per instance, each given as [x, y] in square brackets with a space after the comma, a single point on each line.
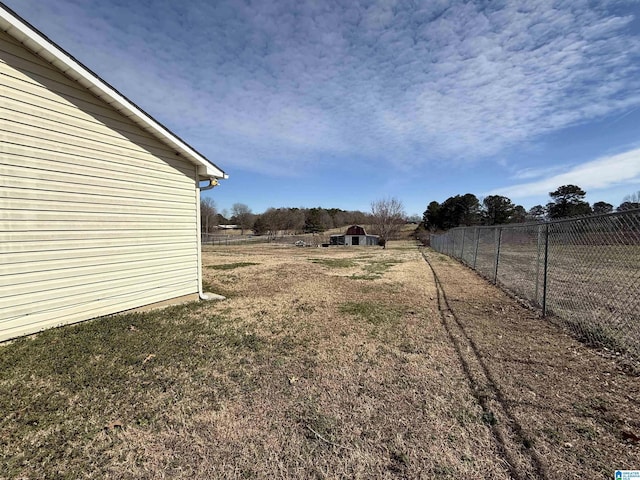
[96, 216]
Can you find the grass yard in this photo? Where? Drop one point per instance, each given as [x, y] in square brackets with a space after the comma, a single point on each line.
[322, 363]
[592, 289]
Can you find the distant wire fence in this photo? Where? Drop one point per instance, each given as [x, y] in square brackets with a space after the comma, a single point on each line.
[584, 273]
[306, 240]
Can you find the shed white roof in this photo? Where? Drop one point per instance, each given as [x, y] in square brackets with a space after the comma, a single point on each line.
[38, 43]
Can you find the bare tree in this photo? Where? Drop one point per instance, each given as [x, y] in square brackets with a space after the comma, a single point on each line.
[630, 202]
[243, 216]
[208, 215]
[293, 220]
[356, 217]
[632, 197]
[387, 217]
[271, 222]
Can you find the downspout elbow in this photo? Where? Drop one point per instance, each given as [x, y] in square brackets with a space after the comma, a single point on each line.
[213, 182]
[208, 296]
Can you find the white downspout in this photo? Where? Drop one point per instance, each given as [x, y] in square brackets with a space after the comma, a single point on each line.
[201, 294]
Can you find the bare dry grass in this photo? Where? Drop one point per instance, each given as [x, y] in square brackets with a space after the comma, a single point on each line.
[591, 289]
[323, 363]
[561, 409]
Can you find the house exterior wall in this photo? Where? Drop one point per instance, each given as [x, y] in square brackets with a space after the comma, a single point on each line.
[96, 215]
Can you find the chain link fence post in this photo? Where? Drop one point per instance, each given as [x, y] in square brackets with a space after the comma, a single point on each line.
[539, 250]
[545, 273]
[477, 240]
[498, 242]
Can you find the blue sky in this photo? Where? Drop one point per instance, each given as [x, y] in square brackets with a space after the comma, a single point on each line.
[340, 103]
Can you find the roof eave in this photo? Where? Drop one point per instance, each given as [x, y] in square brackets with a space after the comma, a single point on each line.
[42, 46]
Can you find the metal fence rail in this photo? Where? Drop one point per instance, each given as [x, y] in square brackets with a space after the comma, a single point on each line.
[584, 273]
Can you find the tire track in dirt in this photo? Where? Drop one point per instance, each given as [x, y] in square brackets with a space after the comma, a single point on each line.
[522, 461]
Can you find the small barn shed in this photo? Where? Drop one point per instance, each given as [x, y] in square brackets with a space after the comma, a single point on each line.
[99, 203]
[355, 235]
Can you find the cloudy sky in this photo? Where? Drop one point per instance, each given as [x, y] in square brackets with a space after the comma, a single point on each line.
[339, 103]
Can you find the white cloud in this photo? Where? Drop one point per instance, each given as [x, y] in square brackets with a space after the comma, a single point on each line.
[604, 172]
[530, 173]
[283, 84]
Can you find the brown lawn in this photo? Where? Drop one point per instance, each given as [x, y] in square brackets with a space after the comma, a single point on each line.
[322, 363]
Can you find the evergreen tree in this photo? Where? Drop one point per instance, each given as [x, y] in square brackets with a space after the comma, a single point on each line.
[536, 213]
[602, 207]
[567, 202]
[431, 218]
[497, 210]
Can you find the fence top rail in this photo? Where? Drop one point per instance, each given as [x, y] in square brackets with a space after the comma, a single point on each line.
[581, 218]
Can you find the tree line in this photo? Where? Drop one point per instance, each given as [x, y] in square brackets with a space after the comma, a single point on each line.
[467, 209]
[386, 218]
[284, 220]
[306, 220]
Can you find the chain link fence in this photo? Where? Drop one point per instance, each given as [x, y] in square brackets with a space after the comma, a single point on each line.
[584, 273]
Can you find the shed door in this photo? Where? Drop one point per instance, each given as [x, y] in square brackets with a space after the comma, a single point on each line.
[355, 240]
